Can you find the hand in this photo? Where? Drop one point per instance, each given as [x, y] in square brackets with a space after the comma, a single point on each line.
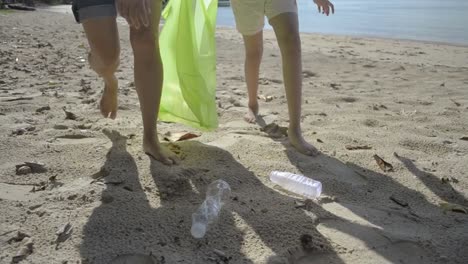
[324, 7]
[136, 12]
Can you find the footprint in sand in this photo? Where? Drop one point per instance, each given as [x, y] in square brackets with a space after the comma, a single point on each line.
[349, 99]
[400, 68]
[174, 181]
[371, 123]
[309, 250]
[309, 74]
[266, 81]
[323, 167]
[76, 139]
[345, 99]
[427, 146]
[398, 239]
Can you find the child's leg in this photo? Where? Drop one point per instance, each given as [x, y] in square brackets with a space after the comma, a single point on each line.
[286, 27]
[148, 81]
[253, 57]
[250, 17]
[103, 39]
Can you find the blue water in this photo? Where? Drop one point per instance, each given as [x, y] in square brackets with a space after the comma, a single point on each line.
[427, 20]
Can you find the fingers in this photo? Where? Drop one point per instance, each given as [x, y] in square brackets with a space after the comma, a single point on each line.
[324, 7]
[148, 6]
[134, 17]
[144, 13]
[326, 10]
[136, 12]
[122, 9]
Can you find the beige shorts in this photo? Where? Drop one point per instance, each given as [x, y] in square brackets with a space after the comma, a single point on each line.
[250, 14]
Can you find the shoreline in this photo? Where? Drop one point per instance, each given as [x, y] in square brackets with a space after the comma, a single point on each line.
[369, 37]
[45, 8]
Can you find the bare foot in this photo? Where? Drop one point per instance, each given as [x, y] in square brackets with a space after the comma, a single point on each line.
[108, 104]
[160, 153]
[252, 113]
[298, 141]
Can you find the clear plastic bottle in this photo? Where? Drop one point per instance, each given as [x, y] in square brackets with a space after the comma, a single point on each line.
[297, 184]
[216, 194]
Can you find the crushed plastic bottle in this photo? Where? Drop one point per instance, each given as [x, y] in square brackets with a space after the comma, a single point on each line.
[217, 193]
[297, 184]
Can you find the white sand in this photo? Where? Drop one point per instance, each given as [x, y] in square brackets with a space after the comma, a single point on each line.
[395, 96]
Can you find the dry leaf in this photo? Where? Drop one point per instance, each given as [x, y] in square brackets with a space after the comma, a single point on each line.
[64, 229]
[455, 102]
[453, 207]
[385, 166]
[179, 136]
[308, 204]
[69, 115]
[19, 236]
[349, 147]
[25, 250]
[102, 173]
[42, 109]
[41, 187]
[464, 138]
[399, 201]
[63, 233]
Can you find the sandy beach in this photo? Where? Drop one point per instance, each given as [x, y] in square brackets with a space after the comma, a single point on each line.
[92, 196]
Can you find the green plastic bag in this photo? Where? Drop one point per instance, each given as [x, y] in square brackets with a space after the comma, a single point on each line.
[188, 50]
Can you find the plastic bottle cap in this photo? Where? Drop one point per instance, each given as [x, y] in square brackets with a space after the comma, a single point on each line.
[198, 230]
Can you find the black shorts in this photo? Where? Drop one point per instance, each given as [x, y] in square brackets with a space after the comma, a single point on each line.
[86, 9]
